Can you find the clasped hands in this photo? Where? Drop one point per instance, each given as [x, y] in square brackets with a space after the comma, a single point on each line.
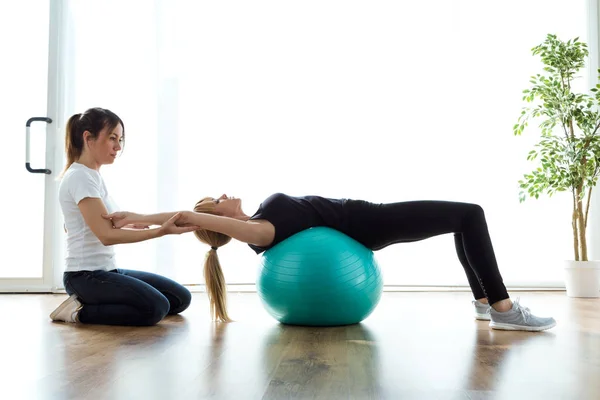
[178, 223]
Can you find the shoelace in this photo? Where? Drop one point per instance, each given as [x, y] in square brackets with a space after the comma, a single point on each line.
[525, 312]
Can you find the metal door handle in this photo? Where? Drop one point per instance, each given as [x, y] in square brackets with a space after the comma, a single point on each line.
[27, 145]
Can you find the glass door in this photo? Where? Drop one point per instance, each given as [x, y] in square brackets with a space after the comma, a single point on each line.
[31, 157]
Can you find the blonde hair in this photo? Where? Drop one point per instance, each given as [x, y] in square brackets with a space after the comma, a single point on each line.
[216, 287]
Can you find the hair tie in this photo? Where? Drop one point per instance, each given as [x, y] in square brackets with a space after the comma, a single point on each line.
[214, 248]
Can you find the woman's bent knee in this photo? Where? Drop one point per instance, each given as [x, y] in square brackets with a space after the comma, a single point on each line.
[184, 298]
[158, 309]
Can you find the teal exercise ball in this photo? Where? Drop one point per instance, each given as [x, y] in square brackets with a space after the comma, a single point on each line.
[319, 277]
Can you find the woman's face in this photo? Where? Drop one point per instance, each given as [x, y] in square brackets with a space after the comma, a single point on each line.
[107, 145]
[228, 206]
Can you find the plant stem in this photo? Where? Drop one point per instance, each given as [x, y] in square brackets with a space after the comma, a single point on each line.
[574, 225]
[583, 216]
[581, 229]
[596, 129]
[587, 207]
[580, 225]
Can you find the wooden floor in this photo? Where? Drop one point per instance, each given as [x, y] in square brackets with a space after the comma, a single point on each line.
[414, 346]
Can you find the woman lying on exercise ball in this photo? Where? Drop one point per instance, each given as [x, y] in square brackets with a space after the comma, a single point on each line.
[374, 225]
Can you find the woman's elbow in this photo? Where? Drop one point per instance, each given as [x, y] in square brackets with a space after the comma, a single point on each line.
[107, 242]
[107, 239]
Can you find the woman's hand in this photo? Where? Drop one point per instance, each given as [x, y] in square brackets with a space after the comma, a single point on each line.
[125, 219]
[184, 220]
[176, 225]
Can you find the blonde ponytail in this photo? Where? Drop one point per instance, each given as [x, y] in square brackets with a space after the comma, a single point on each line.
[216, 287]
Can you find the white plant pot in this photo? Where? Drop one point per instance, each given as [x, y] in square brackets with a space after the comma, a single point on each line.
[582, 278]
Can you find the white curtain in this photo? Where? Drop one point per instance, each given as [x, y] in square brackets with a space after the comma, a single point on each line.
[383, 101]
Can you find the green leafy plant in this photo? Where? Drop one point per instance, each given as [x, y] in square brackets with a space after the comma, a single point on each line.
[568, 151]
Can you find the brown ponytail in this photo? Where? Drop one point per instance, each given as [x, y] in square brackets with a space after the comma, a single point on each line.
[73, 148]
[216, 288]
[94, 120]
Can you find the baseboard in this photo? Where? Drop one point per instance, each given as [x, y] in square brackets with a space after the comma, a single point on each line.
[250, 288]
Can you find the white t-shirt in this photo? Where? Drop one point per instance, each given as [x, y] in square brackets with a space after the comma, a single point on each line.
[84, 249]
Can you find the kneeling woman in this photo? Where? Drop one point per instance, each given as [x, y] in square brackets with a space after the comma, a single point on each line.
[100, 292]
[374, 225]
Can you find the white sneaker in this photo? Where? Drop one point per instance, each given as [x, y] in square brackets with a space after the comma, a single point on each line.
[519, 318]
[68, 311]
[482, 310]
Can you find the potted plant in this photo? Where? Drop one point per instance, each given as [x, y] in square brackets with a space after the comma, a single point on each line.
[568, 150]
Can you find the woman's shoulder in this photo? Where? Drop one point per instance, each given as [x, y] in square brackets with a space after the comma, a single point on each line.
[78, 172]
[76, 176]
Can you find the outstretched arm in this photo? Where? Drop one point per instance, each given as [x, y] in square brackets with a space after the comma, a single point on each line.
[93, 209]
[245, 231]
[122, 219]
[251, 232]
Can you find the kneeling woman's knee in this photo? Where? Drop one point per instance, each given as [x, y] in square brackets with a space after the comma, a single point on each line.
[184, 298]
[159, 308]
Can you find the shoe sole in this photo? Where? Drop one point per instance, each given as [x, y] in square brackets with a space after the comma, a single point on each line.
[511, 327]
[482, 317]
[58, 310]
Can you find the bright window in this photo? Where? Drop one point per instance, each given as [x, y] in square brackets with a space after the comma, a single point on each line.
[383, 101]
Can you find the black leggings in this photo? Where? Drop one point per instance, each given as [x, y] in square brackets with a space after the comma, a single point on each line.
[380, 225]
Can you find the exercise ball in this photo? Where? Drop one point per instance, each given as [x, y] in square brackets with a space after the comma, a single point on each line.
[319, 277]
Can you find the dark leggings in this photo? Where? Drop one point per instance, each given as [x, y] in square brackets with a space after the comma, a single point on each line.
[380, 225]
[125, 297]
